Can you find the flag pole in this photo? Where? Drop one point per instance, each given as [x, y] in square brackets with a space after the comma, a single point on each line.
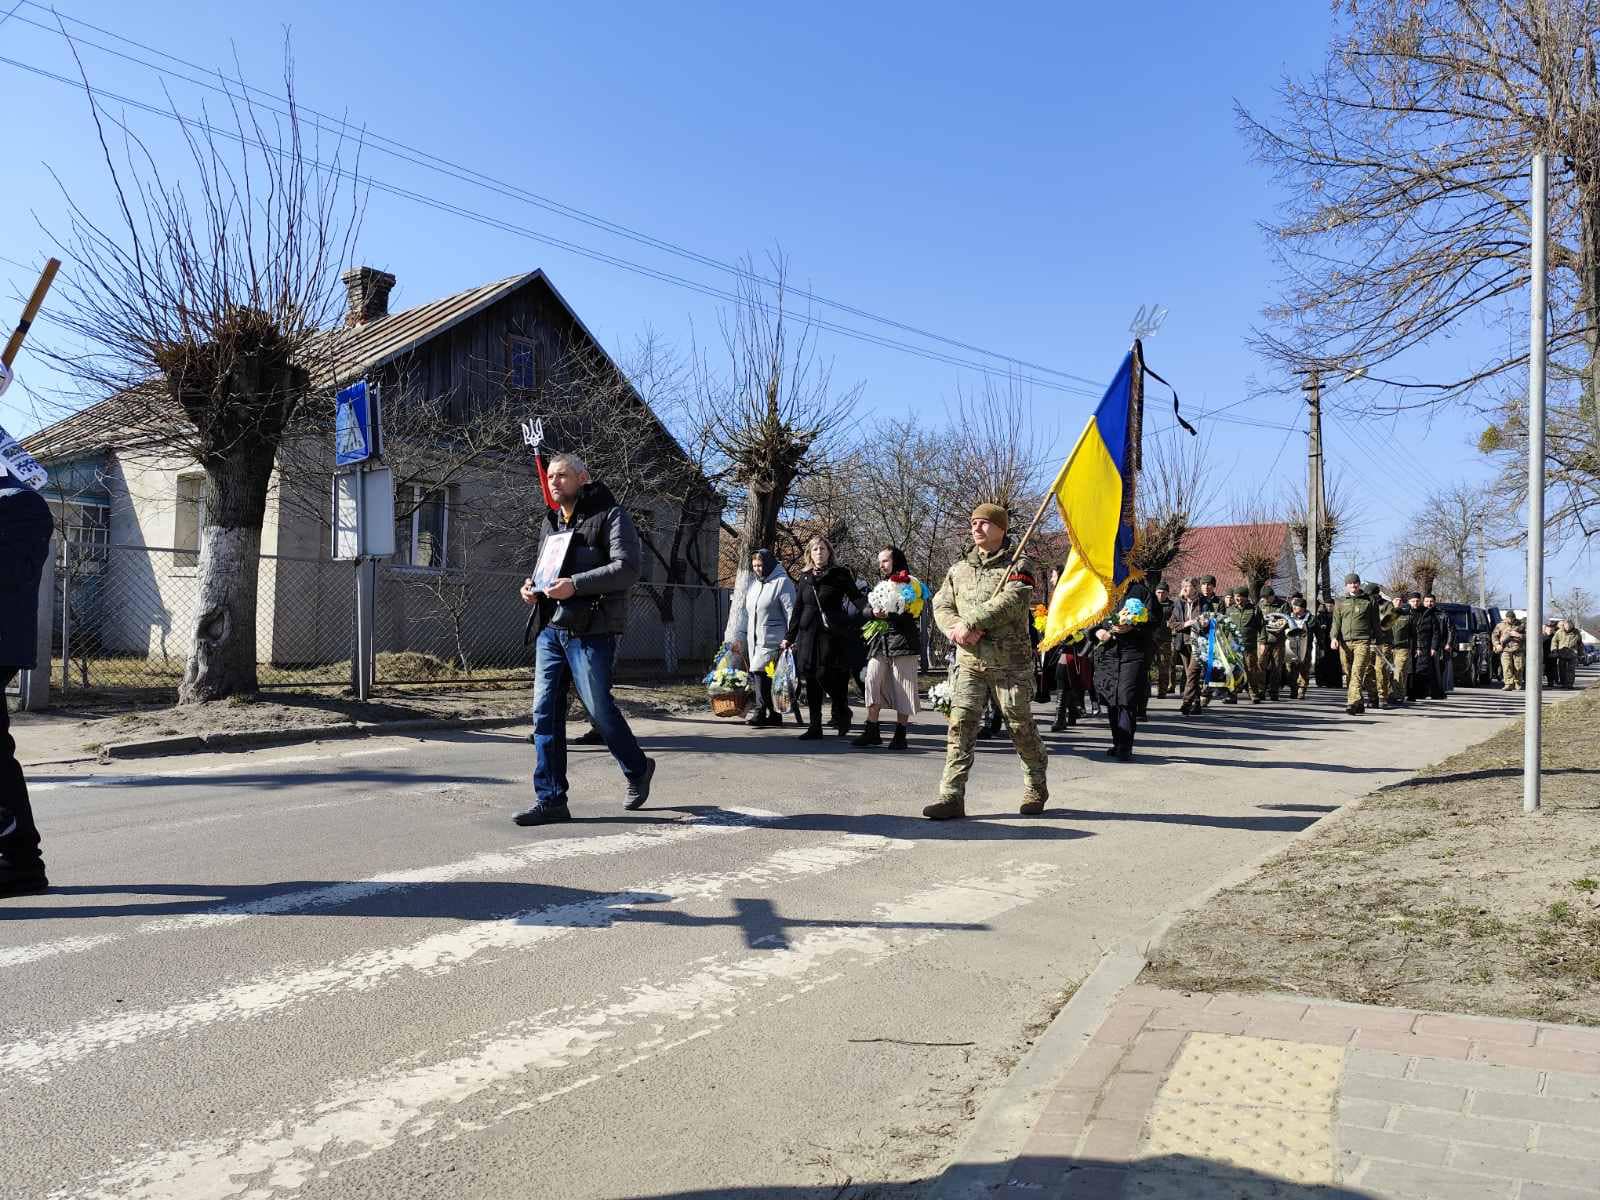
[35, 303]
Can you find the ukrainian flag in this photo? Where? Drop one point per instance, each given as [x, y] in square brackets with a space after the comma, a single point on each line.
[1094, 492]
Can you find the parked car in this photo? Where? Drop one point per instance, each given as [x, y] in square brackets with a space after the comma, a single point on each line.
[1469, 664]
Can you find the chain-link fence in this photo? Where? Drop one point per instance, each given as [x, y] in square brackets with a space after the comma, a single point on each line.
[124, 619]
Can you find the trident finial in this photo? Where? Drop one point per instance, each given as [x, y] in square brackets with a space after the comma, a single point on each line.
[533, 433]
[1147, 321]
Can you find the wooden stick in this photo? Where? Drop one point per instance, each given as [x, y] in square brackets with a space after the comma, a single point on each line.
[30, 311]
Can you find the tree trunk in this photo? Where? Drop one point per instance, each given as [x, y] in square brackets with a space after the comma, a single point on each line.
[757, 531]
[222, 662]
[1589, 297]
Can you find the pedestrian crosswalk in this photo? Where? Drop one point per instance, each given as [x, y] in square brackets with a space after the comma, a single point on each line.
[748, 872]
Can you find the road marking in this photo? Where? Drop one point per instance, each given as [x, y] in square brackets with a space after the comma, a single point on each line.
[501, 862]
[408, 1102]
[35, 1059]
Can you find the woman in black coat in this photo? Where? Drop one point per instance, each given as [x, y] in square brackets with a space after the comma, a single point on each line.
[1122, 671]
[825, 635]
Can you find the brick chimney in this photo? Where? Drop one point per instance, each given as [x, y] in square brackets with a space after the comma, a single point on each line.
[367, 295]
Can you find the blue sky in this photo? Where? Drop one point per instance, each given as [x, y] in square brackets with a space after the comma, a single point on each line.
[1020, 178]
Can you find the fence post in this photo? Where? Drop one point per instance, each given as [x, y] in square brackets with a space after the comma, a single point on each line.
[66, 612]
[34, 689]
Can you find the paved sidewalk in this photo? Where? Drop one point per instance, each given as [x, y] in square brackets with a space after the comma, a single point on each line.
[1181, 1096]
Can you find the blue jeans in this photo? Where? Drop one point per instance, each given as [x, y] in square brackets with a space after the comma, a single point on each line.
[561, 658]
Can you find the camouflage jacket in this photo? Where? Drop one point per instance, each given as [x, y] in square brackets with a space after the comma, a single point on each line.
[1272, 632]
[984, 591]
[1354, 619]
[1248, 619]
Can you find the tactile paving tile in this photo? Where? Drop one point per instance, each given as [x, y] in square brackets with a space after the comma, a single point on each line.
[1238, 1113]
[1153, 1183]
[1215, 1068]
[1219, 1139]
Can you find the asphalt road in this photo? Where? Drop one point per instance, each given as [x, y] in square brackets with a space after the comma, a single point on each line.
[340, 971]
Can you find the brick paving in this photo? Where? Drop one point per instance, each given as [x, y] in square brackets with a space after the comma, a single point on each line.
[1189, 1096]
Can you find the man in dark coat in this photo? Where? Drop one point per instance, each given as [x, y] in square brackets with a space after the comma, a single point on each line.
[588, 559]
[1122, 666]
[25, 527]
[1431, 632]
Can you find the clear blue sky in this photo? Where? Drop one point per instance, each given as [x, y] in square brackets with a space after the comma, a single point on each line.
[1020, 179]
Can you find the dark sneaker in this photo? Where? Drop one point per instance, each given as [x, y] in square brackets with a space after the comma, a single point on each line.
[590, 737]
[812, 734]
[543, 814]
[639, 789]
[1125, 754]
[22, 879]
[945, 810]
[1033, 807]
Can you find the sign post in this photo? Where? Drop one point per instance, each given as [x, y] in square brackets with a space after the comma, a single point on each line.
[1533, 690]
[363, 513]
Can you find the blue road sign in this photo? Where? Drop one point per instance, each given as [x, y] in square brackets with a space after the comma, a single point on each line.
[352, 425]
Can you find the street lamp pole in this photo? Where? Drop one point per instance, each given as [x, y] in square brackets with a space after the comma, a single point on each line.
[1533, 713]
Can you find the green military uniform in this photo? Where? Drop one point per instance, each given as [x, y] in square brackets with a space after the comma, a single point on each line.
[1382, 644]
[1403, 643]
[988, 593]
[1508, 640]
[1273, 615]
[1355, 628]
[1248, 620]
[1161, 649]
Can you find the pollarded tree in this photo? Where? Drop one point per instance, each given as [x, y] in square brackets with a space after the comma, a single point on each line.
[201, 308]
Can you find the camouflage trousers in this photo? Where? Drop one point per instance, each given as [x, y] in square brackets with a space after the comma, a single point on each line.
[1013, 693]
[1510, 669]
[1360, 665]
[1401, 658]
[1252, 670]
[1162, 656]
[1271, 658]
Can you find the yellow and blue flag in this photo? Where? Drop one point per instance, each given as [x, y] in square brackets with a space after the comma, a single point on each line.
[1094, 492]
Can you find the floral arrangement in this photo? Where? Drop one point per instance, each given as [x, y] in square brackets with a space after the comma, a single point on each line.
[941, 697]
[1040, 614]
[726, 677]
[1133, 612]
[893, 598]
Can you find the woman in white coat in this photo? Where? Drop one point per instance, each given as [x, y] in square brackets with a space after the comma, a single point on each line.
[768, 604]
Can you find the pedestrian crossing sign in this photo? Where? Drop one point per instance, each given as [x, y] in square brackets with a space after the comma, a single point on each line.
[352, 425]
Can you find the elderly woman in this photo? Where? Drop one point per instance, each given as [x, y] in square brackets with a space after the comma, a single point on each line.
[825, 634]
[769, 605]
[1122, 667]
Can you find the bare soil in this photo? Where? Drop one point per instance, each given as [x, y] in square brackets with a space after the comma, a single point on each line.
[1437, 893]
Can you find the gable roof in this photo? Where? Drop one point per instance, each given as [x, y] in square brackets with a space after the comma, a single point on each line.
[1208, 550]
[353, 352]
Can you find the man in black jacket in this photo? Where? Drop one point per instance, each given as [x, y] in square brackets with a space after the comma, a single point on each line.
[25, 528]
[588, 559]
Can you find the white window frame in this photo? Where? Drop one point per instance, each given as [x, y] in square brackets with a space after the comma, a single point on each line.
[181, 563]
[73, 531]
[419, 491]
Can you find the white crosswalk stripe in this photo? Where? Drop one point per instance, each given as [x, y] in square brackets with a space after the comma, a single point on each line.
[413, 1102]
[723, 821]
[36, 1058]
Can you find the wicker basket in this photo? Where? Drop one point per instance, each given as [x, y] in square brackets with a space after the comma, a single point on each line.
[730, 704]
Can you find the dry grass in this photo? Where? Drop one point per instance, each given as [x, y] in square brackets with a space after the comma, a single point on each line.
[1436, 893]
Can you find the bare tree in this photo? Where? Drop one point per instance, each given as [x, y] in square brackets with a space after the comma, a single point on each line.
[775, 418]
[1575, 605]
[1455, 523]
[997, 454]
[1176, 486]
[1415, 566]
[202, 308]
[1339, 518]
[1254, 543]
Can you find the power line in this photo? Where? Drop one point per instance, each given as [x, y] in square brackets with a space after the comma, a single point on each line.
[559, 243]
[465, 174]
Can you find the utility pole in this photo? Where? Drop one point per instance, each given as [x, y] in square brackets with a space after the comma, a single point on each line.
[1314, 517]
[1537, 332]
[1483, 568]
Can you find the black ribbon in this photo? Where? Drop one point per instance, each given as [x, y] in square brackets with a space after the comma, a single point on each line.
[1178, 416]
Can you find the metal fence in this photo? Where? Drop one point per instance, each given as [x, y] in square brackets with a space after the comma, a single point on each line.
[124, 618]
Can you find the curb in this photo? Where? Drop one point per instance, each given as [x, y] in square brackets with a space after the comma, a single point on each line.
[251, 739]
[983, 1160]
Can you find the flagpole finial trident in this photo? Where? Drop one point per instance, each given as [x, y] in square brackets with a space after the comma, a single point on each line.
[1147, 321]
[533, 433]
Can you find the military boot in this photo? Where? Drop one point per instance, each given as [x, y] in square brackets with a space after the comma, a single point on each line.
[946, 810]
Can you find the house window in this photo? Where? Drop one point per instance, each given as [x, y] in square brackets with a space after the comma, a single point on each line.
[86, 530]
[420, 538]
[189, 517]
[527, 366]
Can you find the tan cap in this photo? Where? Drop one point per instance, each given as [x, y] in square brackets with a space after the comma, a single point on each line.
[993, 514]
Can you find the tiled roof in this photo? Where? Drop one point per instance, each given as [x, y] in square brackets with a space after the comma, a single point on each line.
[1208, 550]
[93, 430]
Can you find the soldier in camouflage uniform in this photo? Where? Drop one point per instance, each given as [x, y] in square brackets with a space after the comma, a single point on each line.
[984, 608]
[1355, 630]
[1383, 642]
[1248, 620]
[1161, 649]
[1273, 614]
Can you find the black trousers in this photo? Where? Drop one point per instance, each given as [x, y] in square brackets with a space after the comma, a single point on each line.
[1566, 671]
[1124, 720]
[19, 836]
[834, 682]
